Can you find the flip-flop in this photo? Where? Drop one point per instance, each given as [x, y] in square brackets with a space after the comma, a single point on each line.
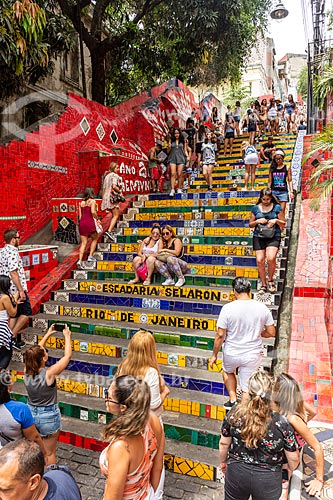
[272, 287]
[147, 282]
[263, 290]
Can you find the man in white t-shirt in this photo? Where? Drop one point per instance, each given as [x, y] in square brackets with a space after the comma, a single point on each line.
[241, 326]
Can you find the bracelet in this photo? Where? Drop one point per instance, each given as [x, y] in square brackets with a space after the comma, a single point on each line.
[14, 304]
[320, 480]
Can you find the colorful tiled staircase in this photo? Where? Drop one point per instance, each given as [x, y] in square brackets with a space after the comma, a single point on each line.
[104, 311]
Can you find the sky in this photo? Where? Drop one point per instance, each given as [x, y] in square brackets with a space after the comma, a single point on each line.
[288, 34]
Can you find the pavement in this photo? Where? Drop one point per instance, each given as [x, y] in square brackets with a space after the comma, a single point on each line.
[84, 465]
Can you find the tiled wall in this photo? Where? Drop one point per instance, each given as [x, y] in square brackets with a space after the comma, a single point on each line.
[310, 354]
[38, 261]
[62, 158]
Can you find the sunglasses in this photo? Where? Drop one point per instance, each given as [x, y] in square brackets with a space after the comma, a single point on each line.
[278, 158]
[109, 400]
[146, 331]
[165, 232]
[17, 237]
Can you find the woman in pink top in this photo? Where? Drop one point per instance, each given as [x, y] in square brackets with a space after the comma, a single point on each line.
[133, 461]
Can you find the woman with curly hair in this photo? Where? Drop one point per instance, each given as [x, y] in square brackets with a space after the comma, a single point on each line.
[133, 461]
[289, 402]
[254, 441]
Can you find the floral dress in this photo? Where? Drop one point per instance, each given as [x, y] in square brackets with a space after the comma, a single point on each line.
[110, 180]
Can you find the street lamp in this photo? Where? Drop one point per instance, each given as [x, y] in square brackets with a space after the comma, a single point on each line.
[279, 12]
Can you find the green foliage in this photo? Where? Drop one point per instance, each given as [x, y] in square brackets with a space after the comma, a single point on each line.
[145, 42]
[302, 84]
[323, 85]
[30, 36]
[321, 180]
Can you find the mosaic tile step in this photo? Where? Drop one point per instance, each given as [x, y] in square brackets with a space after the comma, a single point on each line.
[191, 209]
[225, 184]
[193, 215]
[161, 303]
[187, 231]
[123, 241]
[242, 248]
[209, 270]
[156, 200]
[184, 321]
[139, 303]
[261, 176]
[87, 376]
[217, 294]
[96, 339]
[163, 335]
[176, 456]
[199, 427]
[206, 259]
[125, 276]
[230, 228]
[216, 224]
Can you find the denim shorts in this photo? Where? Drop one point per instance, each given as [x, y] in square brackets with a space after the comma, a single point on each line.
[281, 195]
[47, 419]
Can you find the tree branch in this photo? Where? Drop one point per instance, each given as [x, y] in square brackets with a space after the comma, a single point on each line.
[75, 16]
[97, 20]
[148, 6]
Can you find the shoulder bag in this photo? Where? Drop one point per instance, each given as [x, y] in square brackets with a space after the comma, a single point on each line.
[262, 231]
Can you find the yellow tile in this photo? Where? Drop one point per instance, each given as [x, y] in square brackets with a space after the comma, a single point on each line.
[213, 412]
[220, 414]
[194, 469]
[195, 409]
[182, 361]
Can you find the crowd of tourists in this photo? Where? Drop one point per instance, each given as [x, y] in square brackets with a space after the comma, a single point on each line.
[265, 427]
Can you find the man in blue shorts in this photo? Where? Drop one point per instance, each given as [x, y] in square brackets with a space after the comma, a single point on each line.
[22, 475]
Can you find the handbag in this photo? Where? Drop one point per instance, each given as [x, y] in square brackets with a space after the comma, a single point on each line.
[142, 271]
[98, 226]
[262, 231]
[163, 256]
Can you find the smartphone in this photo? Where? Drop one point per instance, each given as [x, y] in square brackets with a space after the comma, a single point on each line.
[59, 327]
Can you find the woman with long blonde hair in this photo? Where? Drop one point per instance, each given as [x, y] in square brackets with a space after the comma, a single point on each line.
[133, 461]
[141, 362]
[288, 400]
[254, 441]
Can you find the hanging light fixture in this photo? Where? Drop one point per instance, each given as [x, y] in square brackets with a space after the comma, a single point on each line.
[279, 12]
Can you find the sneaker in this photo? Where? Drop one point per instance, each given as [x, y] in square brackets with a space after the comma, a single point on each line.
[179, 191]
[111, 236]
[180, 282]
[168, 282]
[79, 265]
[172, 192]
[229, 405]
[91, 258]
[18, 344]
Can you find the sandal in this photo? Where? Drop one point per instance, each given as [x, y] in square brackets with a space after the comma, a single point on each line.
[133, 282]
[263, 290]
[147, 282]
[272, 287]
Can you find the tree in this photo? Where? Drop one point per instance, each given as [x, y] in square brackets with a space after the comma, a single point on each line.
[136, 44]
[29, 38]
[323, 86]
[302, 84]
